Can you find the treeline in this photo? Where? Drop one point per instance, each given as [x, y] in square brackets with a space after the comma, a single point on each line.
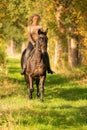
[65, 20]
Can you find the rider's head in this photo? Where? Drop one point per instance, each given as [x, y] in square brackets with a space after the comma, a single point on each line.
[34, 19]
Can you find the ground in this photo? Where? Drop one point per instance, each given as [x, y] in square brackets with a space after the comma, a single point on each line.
[64, 106]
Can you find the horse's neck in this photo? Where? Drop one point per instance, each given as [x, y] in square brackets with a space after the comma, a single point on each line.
[37, 54]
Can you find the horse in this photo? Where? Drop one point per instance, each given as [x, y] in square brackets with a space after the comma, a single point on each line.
[37, 66]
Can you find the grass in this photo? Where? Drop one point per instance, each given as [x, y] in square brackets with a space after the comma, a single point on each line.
[64, 106]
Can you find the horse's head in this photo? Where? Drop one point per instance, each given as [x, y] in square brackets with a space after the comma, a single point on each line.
[42, 40]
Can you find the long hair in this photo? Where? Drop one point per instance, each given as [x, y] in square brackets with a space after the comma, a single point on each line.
[30, 18]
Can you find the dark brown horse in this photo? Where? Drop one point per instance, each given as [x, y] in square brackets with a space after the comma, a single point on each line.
[37, 66]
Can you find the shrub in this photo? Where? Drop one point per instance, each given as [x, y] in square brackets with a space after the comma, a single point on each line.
[2, 52]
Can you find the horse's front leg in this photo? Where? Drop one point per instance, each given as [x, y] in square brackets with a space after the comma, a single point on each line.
[29, 92]
[42, 79]
[37, 85]
[31, 83]
[28, 86]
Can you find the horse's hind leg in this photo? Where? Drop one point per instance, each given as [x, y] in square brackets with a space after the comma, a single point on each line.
[37, 85]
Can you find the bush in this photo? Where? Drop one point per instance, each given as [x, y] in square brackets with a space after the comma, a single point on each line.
[2, 52]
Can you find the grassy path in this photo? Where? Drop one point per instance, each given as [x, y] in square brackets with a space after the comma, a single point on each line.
[64, 108]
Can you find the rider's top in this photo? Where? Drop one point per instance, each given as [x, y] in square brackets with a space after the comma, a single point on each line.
[33, 33]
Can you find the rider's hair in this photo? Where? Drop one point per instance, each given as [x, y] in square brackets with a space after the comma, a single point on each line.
[30, 18]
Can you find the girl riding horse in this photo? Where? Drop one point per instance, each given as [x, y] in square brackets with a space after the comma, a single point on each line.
[32, 37]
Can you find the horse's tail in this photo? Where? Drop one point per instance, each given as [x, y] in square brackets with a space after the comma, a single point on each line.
[22, 57]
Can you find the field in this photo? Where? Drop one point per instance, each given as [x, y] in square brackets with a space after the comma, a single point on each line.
[64, 106]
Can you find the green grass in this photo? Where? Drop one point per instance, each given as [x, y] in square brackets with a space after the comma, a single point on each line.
[64, 106]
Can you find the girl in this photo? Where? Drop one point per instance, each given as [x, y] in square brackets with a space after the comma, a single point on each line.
[32, 37]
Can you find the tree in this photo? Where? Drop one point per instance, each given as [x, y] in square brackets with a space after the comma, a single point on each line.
[65, 19]
[70, 17]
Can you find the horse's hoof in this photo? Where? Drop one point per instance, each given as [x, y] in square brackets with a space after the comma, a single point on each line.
[38, 95]
[50, 71]
[42, 100]
[30, 97]
[31, 90]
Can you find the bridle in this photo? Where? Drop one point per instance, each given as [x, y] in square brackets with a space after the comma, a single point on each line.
[42, 42]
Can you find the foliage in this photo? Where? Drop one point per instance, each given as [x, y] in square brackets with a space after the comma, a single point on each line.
[14, 15]
[2, 52]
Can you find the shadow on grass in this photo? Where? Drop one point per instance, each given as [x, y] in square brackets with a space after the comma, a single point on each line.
[56, 118]
[72, 94]
[15, 70]
[52, 90]
[61, 79]
[54, 85]
[60, 86]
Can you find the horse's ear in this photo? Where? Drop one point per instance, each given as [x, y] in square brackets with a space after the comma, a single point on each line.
[39, 31]
[46, 31]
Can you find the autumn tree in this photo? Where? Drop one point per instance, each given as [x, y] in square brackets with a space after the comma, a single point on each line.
[65, 20]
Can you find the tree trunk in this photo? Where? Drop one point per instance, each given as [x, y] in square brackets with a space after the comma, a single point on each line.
[11, 48]
[72, 52]
[61, 36]
[57, 57]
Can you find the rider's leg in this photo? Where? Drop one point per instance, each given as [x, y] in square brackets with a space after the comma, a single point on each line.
[25, 60]
[27, 53]
[48, 64]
